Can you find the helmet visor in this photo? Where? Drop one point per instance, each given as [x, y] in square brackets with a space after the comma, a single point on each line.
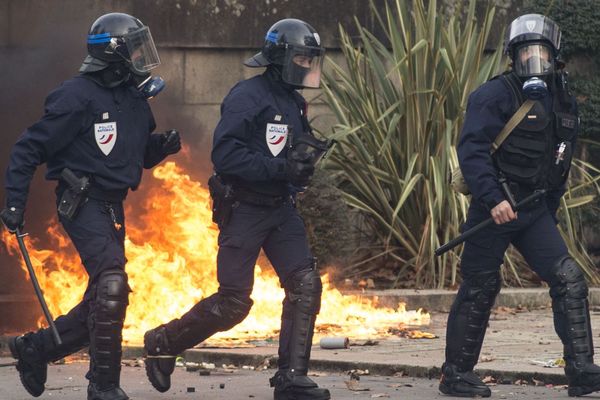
[142, 51]
[533, 60]
[302, 66]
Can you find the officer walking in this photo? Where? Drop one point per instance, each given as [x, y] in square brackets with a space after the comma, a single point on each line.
[256, 175]
[96, 131]
[535, 156]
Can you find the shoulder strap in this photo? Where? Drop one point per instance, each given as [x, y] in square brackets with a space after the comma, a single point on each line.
[512, 124]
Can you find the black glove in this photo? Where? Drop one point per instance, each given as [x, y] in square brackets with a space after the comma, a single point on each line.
[12, 218]
[170, 142]
[299, 168]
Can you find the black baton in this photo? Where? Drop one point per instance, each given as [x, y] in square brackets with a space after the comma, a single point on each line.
[36, 286]
[467, 234]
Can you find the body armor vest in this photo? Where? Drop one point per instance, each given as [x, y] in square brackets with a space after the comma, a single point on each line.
[538, 152]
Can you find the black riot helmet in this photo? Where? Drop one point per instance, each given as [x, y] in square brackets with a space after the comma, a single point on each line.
[533, 43]
[295, 47]
[120, 38]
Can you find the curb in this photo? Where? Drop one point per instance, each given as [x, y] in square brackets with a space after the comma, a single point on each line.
[241, 359]
[441, 300]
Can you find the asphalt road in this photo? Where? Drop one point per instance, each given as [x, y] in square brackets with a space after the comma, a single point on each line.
[67, 382]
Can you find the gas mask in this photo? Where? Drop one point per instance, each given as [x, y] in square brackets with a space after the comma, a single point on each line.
[533, 63]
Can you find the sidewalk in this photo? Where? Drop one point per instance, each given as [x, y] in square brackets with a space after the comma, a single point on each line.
[516, 344]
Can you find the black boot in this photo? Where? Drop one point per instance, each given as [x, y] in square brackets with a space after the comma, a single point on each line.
[219, 312]
[105, 321]
[112, 393]
[572, 324]
[301, 306]
[35, 350]
[159, 361]
[584, 379]
[466, 328]
[289, 386]
[462, 384]
[32, 366]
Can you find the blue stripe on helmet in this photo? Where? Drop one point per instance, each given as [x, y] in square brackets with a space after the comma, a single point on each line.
[96, 41]
[99, 35]
[271, 37]
[99, 38]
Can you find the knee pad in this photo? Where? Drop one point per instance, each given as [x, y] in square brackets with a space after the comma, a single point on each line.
[112, 293]
[481, 290]
[568, 280]
[469, 317]
[229, 310]
[303, 290]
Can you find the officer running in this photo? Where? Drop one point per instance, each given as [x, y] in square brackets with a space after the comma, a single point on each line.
[256, 175]
[536, 155]
[96, 130]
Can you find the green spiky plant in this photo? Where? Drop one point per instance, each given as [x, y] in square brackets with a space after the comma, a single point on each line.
[399, 101]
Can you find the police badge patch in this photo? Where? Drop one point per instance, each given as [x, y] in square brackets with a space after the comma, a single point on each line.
[106, 136]
[276, 135]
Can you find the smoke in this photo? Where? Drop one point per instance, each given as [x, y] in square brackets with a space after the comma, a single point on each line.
[30, 68]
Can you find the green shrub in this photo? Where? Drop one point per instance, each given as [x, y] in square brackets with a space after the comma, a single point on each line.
[399, 102]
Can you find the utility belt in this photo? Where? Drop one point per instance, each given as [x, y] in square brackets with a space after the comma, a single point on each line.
[225, 197]
[258, 199]
[113, 196]
[74, 193]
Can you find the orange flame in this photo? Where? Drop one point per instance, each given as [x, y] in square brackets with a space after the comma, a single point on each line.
[171, 246]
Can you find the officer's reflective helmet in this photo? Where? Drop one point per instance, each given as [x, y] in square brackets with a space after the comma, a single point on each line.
[533, 43]
[118, 37]
[296, 47]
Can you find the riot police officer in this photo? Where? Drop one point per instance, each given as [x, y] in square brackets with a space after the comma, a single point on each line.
[256, 175]
[96, 131]
[535, 156]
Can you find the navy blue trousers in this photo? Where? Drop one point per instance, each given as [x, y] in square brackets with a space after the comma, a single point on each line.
[534, 234]
[101, 247]
[279, 231]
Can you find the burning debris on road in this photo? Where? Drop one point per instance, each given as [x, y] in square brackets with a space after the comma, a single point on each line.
[171, 248]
